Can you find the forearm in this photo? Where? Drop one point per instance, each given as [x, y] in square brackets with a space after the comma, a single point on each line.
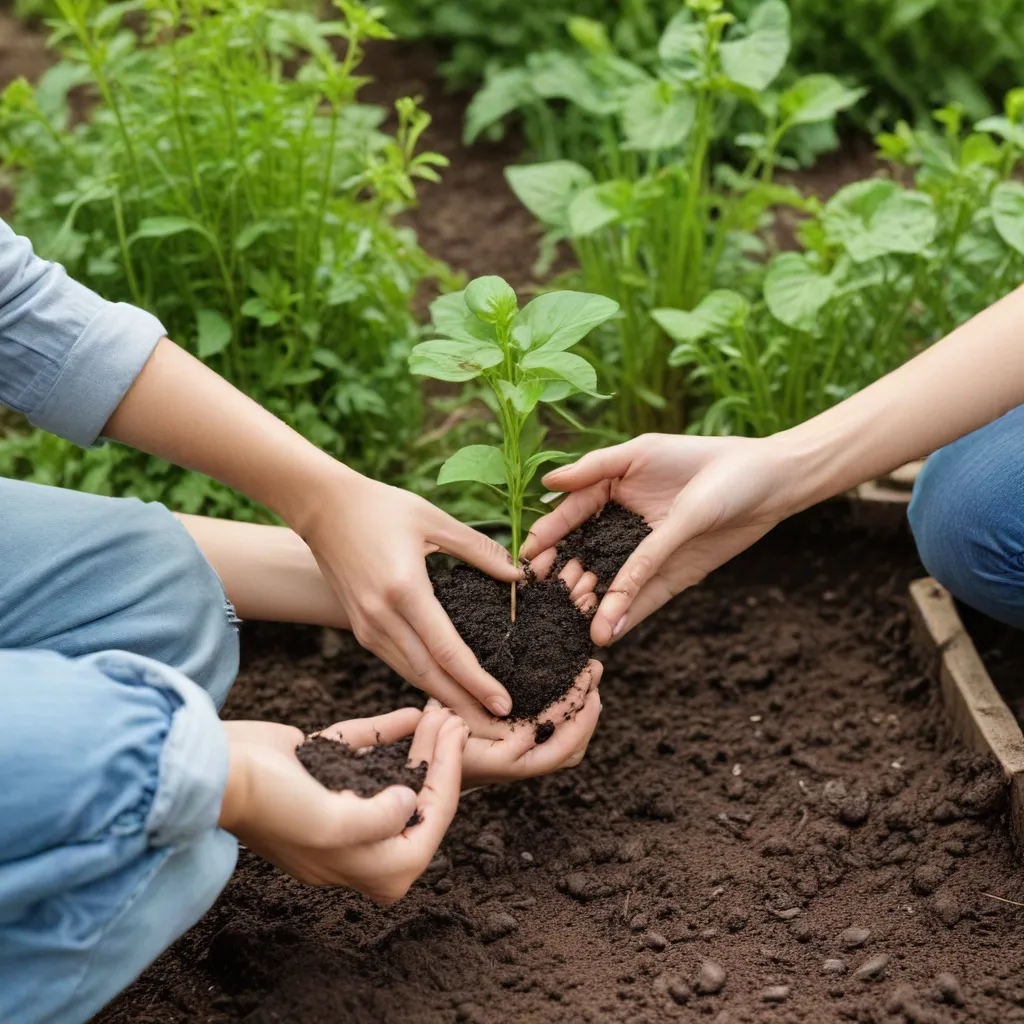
[180, 410]
[956, 386]
[268, 572]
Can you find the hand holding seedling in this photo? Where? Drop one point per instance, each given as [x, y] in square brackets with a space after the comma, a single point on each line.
[523, 355]
[320, 837]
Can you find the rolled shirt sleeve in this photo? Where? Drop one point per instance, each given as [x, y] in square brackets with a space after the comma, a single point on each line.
[67, 356]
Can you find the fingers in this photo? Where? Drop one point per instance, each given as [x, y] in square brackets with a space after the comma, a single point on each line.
[439, 798]
[604, 464]
[471, 546]
[425, 740]
[354, 820]
[639, 569]
[575, 509]
[584, 586]
[371, 732]
[543, 563]
[284, 738]
[433, 647]
[571, 574]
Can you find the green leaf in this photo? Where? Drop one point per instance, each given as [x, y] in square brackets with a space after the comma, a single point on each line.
[657, 115]
[213, 333]
[565, 366]
[166, 227]
[534, 462]
[682, 45]
[756, 60]
[451, 317]
[815, 98]
[559, 76]
[598, 206]
[481, 463]
[491, 299]
[1004, 128]
[557, 320]
[1008, 213]
[795, 292]
[877, 218]
[453, 360]
[547, 189]
[716, 313]
[502, 93]
[525, 396]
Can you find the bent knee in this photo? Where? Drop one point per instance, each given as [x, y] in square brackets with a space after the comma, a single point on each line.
[183, 615]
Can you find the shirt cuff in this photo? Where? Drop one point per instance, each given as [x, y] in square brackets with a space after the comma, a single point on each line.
[99, 370]
[194, 762]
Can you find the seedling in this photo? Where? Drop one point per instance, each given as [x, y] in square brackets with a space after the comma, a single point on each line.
[523, 354]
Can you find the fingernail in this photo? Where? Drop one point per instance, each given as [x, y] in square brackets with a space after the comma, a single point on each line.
[500, 706]
[619, 626]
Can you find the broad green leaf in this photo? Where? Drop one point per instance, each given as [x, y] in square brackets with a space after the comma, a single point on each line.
[815, 98]
[213, 333]
[795, 292]
[557, 320]
[453, 360]
[547, 189]
[598, 206]
[1004, 128]
[296, 378]
[481, 463]
[565, 366]
[251, 233]
[165, 227]
[657, 115]
[491, 299]
[906, 12]
[682, 45]
[502, 93]
[756, 60]
[877, 218]
[1008, 213]
[524, 397]
[717, 312]
[555, 390]
[559, 76]
[453, 318]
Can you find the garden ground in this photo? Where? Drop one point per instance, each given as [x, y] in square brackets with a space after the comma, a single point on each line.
[771, 790]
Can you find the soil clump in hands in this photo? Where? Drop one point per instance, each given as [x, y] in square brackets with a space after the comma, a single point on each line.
[603, 543]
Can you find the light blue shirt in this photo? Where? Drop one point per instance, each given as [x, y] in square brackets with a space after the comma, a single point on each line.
[67, 357]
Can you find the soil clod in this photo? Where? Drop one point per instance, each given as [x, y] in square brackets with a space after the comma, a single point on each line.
[775, 994]
[872, 968]
[949, 989]
[854, 938]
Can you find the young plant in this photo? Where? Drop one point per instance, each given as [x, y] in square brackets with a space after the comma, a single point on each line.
[523, 356]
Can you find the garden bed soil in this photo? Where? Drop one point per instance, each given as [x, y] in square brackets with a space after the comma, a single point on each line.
[772, 824]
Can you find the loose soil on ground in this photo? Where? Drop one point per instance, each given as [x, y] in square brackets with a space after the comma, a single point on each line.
[772, 825]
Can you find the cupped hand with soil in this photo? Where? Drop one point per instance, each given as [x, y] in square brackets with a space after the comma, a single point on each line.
[277, 809]
[706, 499]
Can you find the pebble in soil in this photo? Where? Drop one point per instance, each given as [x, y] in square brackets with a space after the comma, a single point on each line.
[365, 771]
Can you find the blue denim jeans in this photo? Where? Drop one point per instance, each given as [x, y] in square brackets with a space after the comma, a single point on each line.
[117, 645]
[967, 516]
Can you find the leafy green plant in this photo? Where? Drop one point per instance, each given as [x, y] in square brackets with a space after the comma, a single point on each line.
[914, 54]
[660, 221]
[885, 270]
[523, 357]
[478, 33]
[228, 179]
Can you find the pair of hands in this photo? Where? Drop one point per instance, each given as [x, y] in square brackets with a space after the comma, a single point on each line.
[274, 806]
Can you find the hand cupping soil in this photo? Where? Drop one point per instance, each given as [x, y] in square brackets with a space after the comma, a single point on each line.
[366, 771]
[538, 657]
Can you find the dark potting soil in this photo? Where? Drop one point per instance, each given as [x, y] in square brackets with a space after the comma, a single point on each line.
[366, 772]
[536, 658]
[772, 825]
[603, 543]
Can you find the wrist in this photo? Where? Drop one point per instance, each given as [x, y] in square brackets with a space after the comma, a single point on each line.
[809, 463]
[233, 804]
[311, 491]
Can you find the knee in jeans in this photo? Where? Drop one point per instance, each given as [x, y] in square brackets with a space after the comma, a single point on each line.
[196, 626]
[957, 537]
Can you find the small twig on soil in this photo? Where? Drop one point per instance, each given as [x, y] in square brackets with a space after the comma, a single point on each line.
[1013, 903]
[803, 821]
[513, 601]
